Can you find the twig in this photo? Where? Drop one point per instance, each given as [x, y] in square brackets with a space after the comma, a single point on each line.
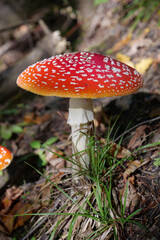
[44, 27]
[137, 125]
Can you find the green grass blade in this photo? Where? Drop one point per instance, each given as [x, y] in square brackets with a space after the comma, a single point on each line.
[71, 227]
[125, 198]
[55, 229]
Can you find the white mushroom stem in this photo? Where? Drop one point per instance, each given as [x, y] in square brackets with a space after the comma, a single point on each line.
[81, 121]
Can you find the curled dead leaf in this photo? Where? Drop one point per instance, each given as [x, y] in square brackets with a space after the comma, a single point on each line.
[53, 157]
[131, 168]
[138, 138]
[32, 118]
[11, 195]
[120, 151]
[10, 222]
[132, 198]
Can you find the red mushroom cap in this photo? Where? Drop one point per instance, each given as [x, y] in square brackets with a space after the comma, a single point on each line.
[80, 75]
[5, 157]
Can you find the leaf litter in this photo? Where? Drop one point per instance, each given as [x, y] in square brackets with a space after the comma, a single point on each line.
[137, 176]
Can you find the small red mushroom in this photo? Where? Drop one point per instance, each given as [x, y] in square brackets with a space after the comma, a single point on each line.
[5, 157]
[80, 76]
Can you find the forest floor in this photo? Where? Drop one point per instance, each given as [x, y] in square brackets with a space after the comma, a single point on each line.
[28, 121]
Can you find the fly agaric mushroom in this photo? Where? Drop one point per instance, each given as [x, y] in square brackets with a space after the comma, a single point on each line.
[5, 157]
[81, 76]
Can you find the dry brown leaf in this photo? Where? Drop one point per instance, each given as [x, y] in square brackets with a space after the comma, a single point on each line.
[53, 159]
[53, 153]
[28, 118]
[11, 195]
[132, 197]
[41, 119]
[7, 211]
[58, 163]
[122, 152]
[45, 195]
[11, 222]
[131, 168]
[32, 118]
[138, 138]
[5, 205]
[107, 234]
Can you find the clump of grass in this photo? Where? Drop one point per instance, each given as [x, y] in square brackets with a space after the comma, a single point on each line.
[90, 210]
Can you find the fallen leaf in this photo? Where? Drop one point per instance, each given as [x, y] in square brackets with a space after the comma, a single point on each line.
[41, 119]
[120, 152]
[143, 65]
[45, 195]
[11, 195]
[32, 118]
[138, 138]
[58, 163]
[11, 222]
[53, 157]
[5, 205]
[8, 210]
[131, 168]
[29, 117]
[52, 153]
[132, 198]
